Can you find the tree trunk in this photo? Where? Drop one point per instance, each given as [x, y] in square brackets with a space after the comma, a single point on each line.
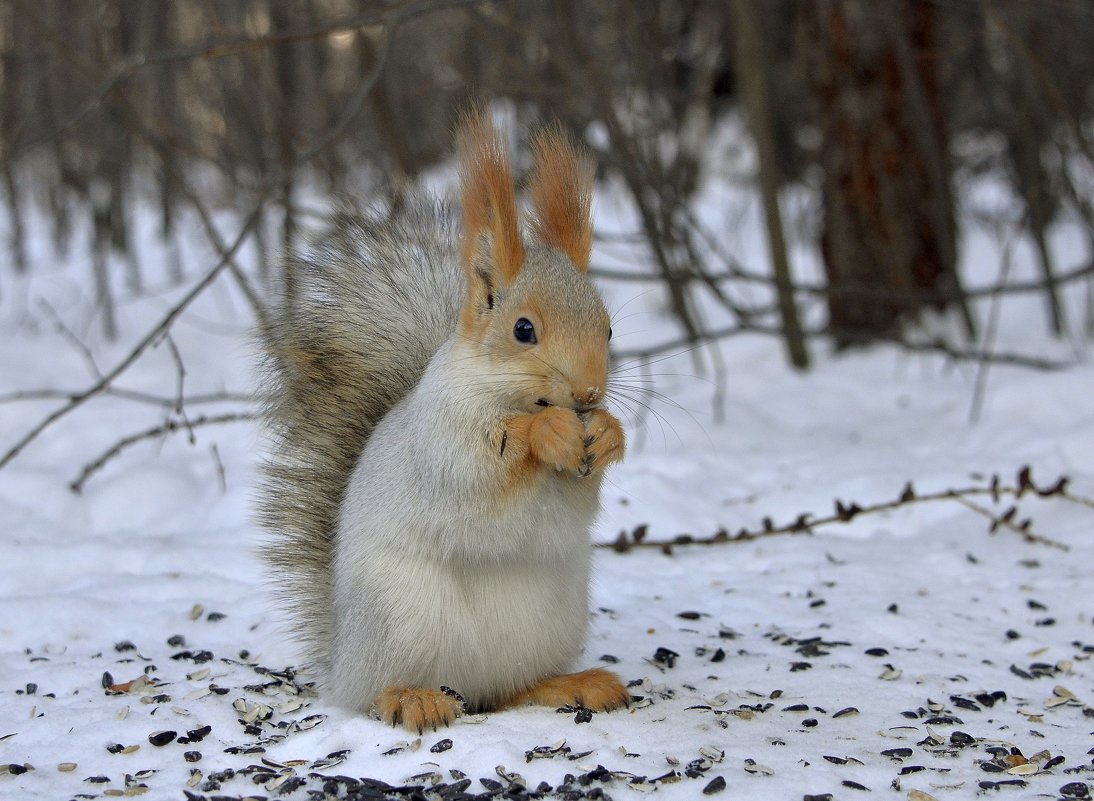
[752, 65]
[888, 239]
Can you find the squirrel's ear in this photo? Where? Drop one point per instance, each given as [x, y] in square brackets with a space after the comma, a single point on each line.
[561, 186]
[488, 198]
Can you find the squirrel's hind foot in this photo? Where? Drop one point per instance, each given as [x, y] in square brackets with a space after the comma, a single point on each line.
[596, 689]
[418, 708]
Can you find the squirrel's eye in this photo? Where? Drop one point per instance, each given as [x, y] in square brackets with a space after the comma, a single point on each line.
[609, 333]
[524, 331]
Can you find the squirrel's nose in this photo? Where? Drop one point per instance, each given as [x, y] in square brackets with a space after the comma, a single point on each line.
[590, 396]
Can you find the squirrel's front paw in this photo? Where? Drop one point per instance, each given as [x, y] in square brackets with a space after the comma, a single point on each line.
[557, 438]
[604, 441]
[418, 708]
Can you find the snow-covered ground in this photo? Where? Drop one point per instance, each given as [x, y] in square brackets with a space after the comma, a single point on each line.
[911, 654]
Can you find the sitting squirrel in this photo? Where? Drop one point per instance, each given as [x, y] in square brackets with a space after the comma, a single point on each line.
[435, 403]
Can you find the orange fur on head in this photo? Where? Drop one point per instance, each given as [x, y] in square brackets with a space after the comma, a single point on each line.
[562, 192]
[489, 202]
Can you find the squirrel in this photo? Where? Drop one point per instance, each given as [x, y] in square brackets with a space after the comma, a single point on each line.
[435, 399]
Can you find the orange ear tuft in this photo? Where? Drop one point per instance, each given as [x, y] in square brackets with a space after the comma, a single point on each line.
[562, 193]
[489, 202]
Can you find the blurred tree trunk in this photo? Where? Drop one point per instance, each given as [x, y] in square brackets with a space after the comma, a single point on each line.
[752, 64]
[888, 238]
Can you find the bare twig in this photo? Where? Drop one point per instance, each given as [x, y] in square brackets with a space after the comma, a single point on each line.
[846, 512]
[1007, 245]
[121, 72]
[167, 427]
[67, 333]
[938, 346]
[152, 336]
[127, 394]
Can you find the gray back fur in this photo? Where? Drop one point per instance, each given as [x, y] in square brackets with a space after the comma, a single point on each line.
[372, 300]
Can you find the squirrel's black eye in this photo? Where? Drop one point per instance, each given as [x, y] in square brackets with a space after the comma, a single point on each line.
[524, 331]
[609, 333]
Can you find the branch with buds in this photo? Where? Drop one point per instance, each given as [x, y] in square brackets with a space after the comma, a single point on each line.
[995, 489]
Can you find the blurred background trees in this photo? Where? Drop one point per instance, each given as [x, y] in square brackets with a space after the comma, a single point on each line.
[876, 108]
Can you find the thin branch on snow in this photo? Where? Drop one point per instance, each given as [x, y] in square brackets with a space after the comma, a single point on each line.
[938, 346]
[127, 394]
[845, 513]
[167, 427]
[151, 337]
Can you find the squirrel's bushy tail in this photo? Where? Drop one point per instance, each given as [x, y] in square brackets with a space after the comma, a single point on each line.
[360, 313]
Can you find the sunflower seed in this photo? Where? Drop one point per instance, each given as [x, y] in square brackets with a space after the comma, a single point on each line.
[919, 795]
[161, 738]
[1025, 769]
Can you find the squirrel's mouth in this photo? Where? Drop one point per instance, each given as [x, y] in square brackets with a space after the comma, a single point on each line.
[581, 408]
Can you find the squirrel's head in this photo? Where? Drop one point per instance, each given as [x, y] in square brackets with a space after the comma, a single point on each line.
[531, 308]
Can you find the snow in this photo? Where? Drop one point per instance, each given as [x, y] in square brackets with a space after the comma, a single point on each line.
[152, 571]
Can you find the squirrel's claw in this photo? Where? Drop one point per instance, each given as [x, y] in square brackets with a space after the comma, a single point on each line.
[586, 467]
[419, 708]
[604, 441]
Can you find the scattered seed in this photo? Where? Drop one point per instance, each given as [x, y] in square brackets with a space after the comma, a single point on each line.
[1075, 790]
[666, 657]
[66, 767]
[161, 738]
[198, 734]
[751, 766]
[919, 795]
[897, 753]
[960, 738]
[715, 785]
[1025, 769]
[441, 746]
[848, 711]
[890, 673]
